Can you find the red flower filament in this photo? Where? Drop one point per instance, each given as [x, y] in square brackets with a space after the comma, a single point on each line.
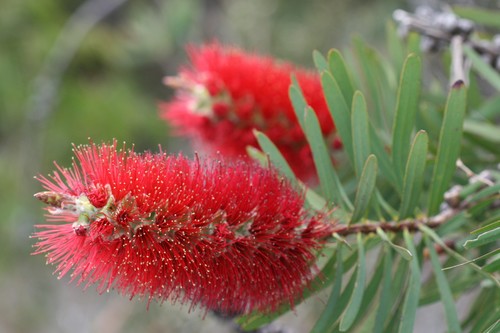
[227, 93]
[229, 236]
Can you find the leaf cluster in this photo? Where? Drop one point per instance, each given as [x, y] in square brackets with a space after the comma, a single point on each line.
[403, 134]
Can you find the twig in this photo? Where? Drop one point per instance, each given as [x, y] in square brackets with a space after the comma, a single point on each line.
[409, 224]
[440, 28]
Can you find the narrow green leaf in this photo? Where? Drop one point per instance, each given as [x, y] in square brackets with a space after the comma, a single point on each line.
[384, 162]
[366, 186]
[368, 64]
[313, 200]
[414, 175]
[449, 146]
[346, 295]
[493, 266]
[490, 191]
[360, 132]
[425, 229]
[395, 46]
[316, 201]
[453, 224]
[458, 283]
[398, 295]
[385, 295]
[339, 71]
[495, 327]
[298, 101]
[389, 210]
[413, 43]
[274, 155]
[483, 130]
[258, 155]
[444, 290]
[487, 227]
[330, 184]
[482, 16]
[484, 238]
[406, 110]
[410, 304]
[365, 320]
[484, 256]
[484, 69]
[320, 61]
[326, 320]
[405, 254]
[359, 288]
[339, 110]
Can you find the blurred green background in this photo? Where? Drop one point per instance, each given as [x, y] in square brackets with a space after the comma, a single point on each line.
[70, 70]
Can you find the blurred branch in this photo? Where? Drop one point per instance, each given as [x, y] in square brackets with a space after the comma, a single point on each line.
[439, 29]
[409, 224]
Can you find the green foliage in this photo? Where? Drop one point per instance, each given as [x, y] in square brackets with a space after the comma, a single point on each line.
[402, 143]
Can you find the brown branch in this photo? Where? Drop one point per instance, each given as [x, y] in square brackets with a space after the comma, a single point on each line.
[409, 224]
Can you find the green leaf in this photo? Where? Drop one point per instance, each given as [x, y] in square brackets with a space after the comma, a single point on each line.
[365, 188]
[414, 175]
[330, 184]
[339, 71]
[484, 238]
[406, 110]
[395, 45]
[405, 254]
[425, 229]
[298, 101]
[444, 290]
[274, 155]
[320, 61]
[339, 110]
[364, 320]
[482, 16]
[389, 210]
[482, 257]
[384, 162]
[483, 130]
[484, 69]
[487, 227]
[327, 318]
[449, 146]
[413, 43]
[410, 304]
[370, 67]
[398, 295]
[495, 327]
[493, 266]
[385, 295]
[359, 287]
[313, 199]
[360, 132]
[488, 193]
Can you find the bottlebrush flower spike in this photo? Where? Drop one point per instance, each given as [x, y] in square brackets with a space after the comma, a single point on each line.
[227, 93]
[229, 236]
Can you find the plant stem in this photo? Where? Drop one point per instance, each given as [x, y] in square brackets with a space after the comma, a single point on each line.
[409, 224]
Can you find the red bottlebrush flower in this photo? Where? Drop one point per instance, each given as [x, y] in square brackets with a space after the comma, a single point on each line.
[229, 236]
[227, 93]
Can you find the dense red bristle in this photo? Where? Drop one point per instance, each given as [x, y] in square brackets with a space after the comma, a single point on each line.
[229, 236]
[246, 92]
